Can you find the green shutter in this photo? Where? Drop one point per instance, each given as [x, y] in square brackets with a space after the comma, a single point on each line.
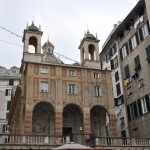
[8, 105]
[137, 63]
[127, 73]
[148, 52]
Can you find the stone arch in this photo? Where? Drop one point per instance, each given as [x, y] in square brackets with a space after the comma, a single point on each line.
[98, 120]
[72, 120]
[91, 49]
[33, 43]
[43, 119]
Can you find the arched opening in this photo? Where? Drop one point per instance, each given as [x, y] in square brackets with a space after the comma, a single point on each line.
[43, 119]
[72, 122]
[33, 45]
[98, 121]
[91, 52]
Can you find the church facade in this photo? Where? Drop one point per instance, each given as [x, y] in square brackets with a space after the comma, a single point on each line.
[54, 98]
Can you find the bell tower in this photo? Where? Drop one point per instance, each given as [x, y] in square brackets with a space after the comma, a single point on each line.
[32, 37]
[89, 51]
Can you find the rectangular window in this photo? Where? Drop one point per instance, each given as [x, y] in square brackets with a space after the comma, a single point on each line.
[7, 116]
[134, 41]
[11, 81]
[124, 51]
[137, 63]
[44, 86]
[118, 89]
[8, 105]
[144, 105]
[144, 31]
[5, 128]
[8, 92]
[112, 50]
[96, 75]
[122, 122]
[114, 63]
[148, 54]
[135, 132]
[71, 73]
[116, 76]
[97, 91]
[44, 70]
[126, 70]
[71, 89]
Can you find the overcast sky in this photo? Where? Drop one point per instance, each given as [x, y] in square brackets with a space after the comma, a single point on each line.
[64, 21]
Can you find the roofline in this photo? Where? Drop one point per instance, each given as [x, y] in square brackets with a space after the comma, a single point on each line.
[132, 12]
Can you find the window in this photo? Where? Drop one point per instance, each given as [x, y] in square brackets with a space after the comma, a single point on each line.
[137, 63]
[8, 92]
[71, 89]
[112, 50]
[119, 101]
[96, 75]
[44, 70]
[71, 73]
[134, 41]
[135, 132]
[44, 86]
[14, 71]
[132, 111]
[124, 51]
[144, 31]
[5, 128]
[11, 81]
[144, 105]
[122, 122]
[8, 105]
[114, 63]
[148, 54]
[97, 91]
[7, 116]
[118, 89]
[126, 70]
[116, 76]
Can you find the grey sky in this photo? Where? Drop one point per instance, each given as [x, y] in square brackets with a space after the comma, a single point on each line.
[64, 20]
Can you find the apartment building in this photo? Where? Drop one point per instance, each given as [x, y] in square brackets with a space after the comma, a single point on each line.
[132, 38]
[8, 79]
[55, 98]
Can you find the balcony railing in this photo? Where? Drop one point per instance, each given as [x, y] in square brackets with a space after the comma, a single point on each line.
[92, 141]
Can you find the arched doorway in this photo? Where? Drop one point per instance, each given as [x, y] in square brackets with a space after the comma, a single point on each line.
[43, 119]
[98, 121]
[72, 122]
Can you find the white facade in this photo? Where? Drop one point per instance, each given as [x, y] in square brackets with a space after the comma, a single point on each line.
[8, 79]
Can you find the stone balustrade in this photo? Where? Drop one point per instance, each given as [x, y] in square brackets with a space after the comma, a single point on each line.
[6, 139]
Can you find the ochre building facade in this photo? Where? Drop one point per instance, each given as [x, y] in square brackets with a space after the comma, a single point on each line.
[62, 99]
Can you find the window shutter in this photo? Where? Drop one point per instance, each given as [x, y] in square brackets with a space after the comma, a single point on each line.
[148, 27]
[135, 109]
[141, 34]
[6, 93]
[130, 44]
[137, 38]
[139, 106]
[121, 57]
[127, 73]
[122, 99]
[127, 48]
[116, 101]
[147, 102]
[112, 64]
[3, 128]
[148, 51]
[128, 113]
